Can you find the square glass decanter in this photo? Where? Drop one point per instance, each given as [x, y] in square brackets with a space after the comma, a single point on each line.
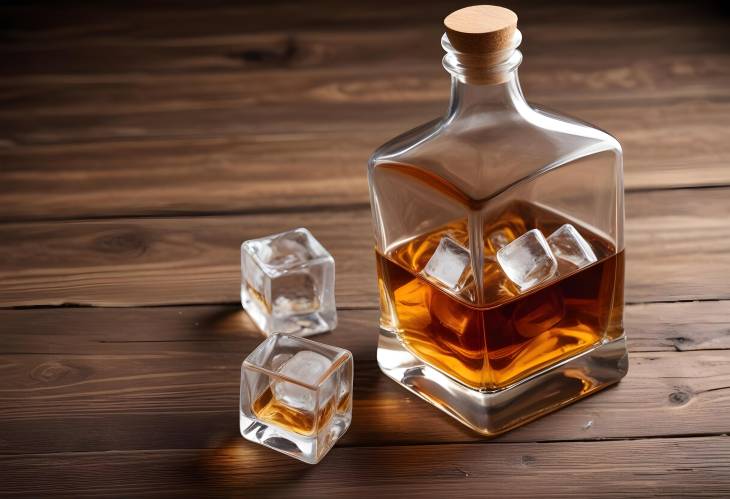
[296, 396]
[499, 243]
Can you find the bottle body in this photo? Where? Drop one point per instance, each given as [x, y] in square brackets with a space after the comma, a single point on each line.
[499, 248]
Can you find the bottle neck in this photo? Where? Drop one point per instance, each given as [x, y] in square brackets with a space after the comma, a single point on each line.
[484, 82]
[467, 99]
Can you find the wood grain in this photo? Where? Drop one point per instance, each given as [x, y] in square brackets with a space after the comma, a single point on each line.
[196, 259]
[97, 330]
[117, 376]
[669, 145]
[74, 23]
[652, 327]
[696, 467]
[141, 143]
[31, 59]
[354, 100]
[179, 120]
[681, 326]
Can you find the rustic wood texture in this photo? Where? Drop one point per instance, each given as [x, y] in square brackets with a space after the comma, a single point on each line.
[141, 142]
[159, 261]
[75, 365]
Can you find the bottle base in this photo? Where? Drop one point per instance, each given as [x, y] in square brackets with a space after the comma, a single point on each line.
[494, 412]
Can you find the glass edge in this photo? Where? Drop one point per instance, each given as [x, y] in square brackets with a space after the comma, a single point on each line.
[341, 357]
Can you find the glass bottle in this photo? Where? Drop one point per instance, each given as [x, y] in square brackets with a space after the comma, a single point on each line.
[499, 243]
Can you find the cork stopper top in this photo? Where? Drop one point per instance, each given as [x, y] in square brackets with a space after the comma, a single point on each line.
[480, 29]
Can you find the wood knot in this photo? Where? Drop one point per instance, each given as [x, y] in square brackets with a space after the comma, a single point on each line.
[273, 56]
[679, 397]
[49, 372]
[528, 460]
[680, 343]
[128, 242]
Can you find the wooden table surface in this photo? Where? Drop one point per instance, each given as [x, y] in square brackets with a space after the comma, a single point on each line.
[141, 142]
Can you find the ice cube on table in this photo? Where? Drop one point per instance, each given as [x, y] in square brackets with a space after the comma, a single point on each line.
[296, 396]
[285, 250]
[279, 359]
[528, 260]
[449, 264]
[287, 283]
[570, 248]
[294, 293]
[306, 367]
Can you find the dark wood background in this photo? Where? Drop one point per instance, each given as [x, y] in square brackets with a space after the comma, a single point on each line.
[141, 142]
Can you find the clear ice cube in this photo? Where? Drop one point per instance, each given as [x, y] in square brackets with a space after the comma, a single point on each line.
[499, 239]
[570, 248]
[449, 264]
[287, 283]
[285, 250]
[286, 376]
[527, 260]
[294, 294]
[279, 359]
[307, 367]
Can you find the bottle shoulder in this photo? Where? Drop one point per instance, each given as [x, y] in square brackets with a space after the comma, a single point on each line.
[400, 145]
[549, 118]
[507, 130]
[483, 153]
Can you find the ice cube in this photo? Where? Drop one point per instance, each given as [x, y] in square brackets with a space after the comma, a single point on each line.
[570, 248]
[285, 250]
[279, 359]
[499, 239]
[449, 264]
[287, 283]
[307, 367]
[527, 260]
[294, 294]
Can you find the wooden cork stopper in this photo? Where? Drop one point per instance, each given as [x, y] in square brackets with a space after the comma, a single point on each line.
[480, 29]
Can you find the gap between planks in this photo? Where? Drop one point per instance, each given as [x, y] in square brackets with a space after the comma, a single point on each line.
[484, 441]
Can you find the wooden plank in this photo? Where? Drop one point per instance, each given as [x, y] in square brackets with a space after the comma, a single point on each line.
[118, 375]
[96, 57]
[211, 136]
[651, 327]
[661, 254]
[167, 176]
[142, 401]
[287, 118]
[682, 326]
[671, 145]
[187, 260]
[120, 401]
[619, 75]
[75, 23]
[358, 99]
[697, 467]
[196, 260]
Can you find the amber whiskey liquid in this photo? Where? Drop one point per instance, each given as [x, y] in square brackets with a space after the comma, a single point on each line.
[268, 408]
[504, 335]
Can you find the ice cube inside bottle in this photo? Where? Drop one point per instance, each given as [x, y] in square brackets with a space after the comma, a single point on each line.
[571, 249]
[449, 264]
[528, 260]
